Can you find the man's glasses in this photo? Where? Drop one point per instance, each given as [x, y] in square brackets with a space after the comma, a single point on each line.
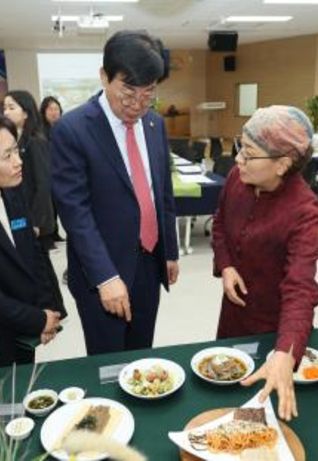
[239, 147]
[146, 99]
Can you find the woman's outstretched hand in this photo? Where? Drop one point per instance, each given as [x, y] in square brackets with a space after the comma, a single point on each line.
[278, 375]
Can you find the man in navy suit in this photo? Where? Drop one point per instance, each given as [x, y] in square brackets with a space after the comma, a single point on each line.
[26, 298]
[112, 186]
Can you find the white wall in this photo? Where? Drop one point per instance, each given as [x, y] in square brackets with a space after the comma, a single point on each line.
[22, 71]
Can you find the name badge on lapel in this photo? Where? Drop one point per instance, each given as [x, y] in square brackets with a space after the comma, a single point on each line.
[17, 224]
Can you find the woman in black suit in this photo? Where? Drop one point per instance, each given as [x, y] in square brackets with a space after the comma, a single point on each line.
[26, 297]
[20, 107]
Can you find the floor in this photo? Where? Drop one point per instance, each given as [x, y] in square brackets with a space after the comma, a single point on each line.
[189, 313]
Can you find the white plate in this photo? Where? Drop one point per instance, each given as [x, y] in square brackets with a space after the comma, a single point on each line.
[232, 352]
[305, 362]
[282, 449]
[177, 373]
[71, 394]
[55, 424]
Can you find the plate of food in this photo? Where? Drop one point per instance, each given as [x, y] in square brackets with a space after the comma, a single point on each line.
[250, 432]
[88, 428]
[151, 378]
[222, 365]
[307, 372]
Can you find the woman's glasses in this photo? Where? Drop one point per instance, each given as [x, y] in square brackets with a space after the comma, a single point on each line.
[240, 150]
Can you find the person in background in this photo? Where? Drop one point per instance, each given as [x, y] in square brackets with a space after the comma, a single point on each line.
[265, 242]
[26, 299]
[51, 111]
[20, 107]
[112, 186]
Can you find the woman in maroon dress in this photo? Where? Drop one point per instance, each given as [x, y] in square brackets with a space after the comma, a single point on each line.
[265, 241]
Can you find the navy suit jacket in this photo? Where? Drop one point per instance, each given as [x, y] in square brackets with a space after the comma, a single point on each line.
[96, 200]
[24, 288]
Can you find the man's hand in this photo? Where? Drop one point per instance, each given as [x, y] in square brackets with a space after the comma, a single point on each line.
[114, 298]
[278, 374]
[52, 321]
[47, 337]
[173, 271]
[232, 280]
[50, 329]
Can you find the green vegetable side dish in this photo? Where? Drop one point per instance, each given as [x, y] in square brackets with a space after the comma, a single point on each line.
[39, 403]
[151, 382]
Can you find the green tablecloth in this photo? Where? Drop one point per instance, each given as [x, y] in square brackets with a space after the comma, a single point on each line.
[154, 419]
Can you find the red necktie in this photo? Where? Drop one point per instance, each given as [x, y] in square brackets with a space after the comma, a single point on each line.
[148, 226]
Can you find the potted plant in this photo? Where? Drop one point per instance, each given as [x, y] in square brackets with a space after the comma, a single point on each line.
[312, 110]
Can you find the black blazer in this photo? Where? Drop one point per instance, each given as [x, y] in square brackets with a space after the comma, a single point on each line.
[35, 154]
[96, 201]
[24, 286]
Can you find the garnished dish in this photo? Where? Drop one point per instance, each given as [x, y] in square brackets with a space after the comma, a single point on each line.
[247, 430]
[152, 382]
[222, 365]
[87, 428]
[307, 371]
[250, 432]
[151, 378]
[40, 402]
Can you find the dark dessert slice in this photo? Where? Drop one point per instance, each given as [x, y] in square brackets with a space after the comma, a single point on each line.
[255, 415]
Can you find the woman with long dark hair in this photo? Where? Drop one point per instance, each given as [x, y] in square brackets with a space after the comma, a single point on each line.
[20, 107]
[50, 112]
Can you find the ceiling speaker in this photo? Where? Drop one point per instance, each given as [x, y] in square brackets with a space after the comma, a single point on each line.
[229, 63]
[223, 41]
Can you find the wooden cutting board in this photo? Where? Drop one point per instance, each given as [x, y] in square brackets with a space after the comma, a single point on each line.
[292, 439]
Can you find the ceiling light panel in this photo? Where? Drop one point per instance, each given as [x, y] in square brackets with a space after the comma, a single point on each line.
[292, 2]
[67, 18]
[95, 1]
[257, 19]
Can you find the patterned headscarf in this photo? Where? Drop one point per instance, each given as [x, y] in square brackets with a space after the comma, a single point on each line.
[281, 130]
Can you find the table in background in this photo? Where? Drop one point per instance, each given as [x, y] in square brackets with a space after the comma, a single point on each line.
[154, 419]
[199, 206]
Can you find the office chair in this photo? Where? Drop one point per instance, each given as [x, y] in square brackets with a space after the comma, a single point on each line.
[198, 151]
[222, 166]
[179, 146]
[216, 148]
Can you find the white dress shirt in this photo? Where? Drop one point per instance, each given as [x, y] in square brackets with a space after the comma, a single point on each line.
[119, 131]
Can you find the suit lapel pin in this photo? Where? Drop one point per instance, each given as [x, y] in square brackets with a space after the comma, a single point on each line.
[152, 124]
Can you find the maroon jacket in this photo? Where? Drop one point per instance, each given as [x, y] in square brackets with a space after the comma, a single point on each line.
[272, 241]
